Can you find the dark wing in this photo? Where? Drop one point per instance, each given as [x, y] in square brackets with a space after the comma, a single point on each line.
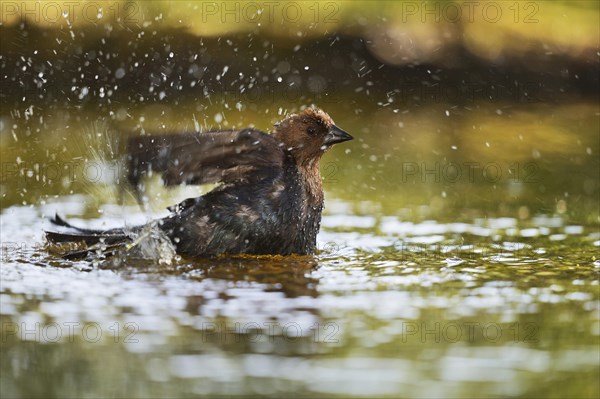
[201, 158]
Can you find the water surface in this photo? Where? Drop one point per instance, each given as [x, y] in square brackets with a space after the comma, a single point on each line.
[387, 308]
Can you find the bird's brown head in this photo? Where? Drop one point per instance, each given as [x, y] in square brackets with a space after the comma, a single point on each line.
[308, 134]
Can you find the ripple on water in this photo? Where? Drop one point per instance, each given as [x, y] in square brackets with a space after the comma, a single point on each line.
[374, 287]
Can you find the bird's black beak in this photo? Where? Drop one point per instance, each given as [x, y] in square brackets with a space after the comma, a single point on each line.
[336, 135]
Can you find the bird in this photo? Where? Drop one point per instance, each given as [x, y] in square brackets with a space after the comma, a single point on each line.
[268, 201]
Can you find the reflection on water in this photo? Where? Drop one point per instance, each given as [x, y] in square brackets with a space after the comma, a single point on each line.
[387, 308]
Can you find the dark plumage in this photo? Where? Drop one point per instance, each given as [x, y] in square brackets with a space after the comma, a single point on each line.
[269, 201]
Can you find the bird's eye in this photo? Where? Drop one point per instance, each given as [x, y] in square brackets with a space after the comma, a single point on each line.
[311, 130]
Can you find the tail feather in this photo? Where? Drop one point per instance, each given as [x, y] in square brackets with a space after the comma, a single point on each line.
[85, 241]
[57, 220]
[88, 239]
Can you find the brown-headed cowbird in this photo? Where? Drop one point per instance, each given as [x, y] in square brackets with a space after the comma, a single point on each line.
[269, 201]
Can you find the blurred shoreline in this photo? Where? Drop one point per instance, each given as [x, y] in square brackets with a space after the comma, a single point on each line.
[48, 67]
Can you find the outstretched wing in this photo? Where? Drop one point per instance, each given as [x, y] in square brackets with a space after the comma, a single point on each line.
[201, 158]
